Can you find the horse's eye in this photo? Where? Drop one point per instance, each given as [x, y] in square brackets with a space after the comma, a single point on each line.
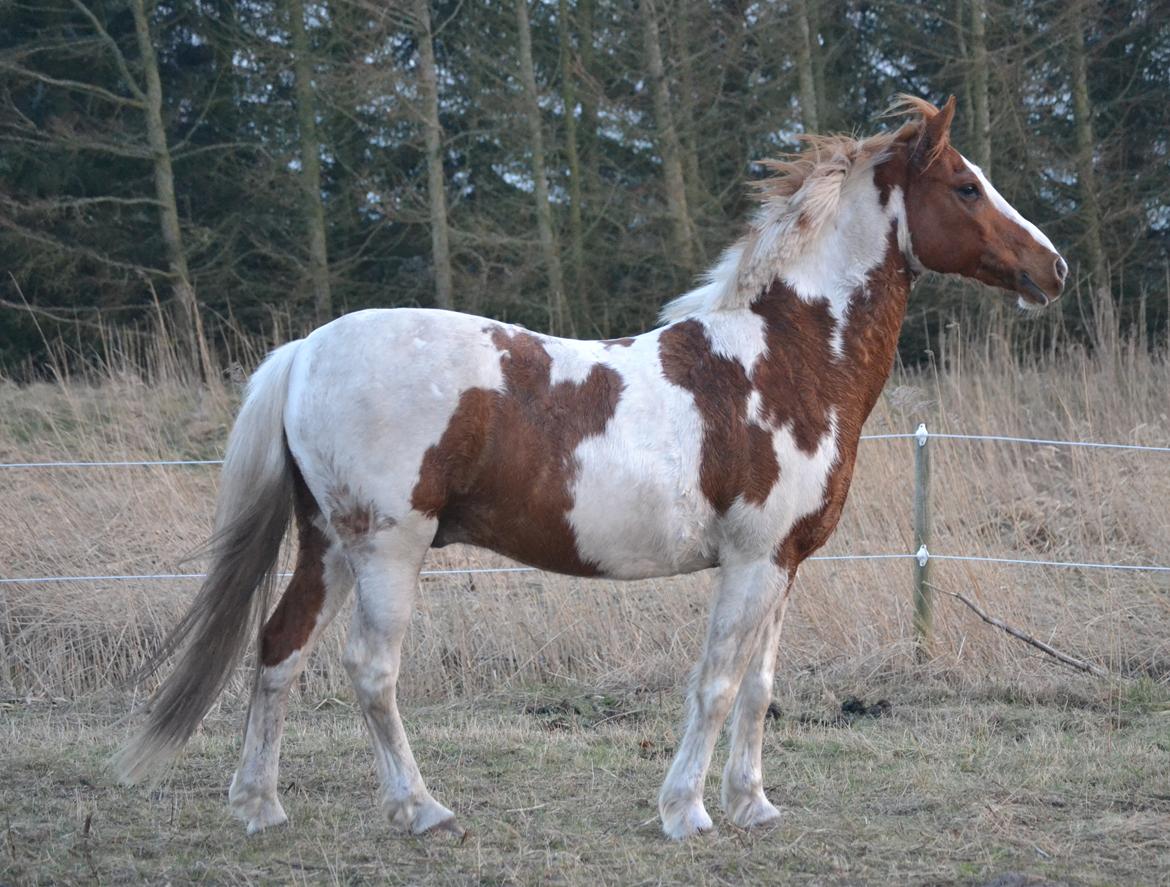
[968, 191]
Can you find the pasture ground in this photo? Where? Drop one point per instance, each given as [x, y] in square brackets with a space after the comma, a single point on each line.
[954, 783]
[544, 709]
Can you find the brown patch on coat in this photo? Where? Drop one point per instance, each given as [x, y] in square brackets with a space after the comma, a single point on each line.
[798, 376]
[623, 342]
[291, 623]
[737, 458]
[501, 474]
[353, 518]
[800, 382]
[798, 379]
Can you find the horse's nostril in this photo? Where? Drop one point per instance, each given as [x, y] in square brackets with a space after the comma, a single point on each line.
[1061, 269]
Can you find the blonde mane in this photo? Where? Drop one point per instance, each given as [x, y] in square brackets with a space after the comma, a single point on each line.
[799, 201]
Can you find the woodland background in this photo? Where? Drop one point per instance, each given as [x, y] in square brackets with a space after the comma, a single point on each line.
[228, 169]
[183, 183]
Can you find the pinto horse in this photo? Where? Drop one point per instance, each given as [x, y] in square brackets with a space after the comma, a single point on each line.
[725, 437]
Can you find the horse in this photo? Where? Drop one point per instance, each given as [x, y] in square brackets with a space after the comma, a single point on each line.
[726, 437]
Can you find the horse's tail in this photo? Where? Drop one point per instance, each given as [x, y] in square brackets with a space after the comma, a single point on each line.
[251, 516]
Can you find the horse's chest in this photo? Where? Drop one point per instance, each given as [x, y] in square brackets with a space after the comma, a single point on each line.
[675, 499]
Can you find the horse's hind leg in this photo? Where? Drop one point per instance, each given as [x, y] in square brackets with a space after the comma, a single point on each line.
[742, 792]
[319, 586]
[387, 564]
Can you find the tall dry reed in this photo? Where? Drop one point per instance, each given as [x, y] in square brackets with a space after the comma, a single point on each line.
[478, 632]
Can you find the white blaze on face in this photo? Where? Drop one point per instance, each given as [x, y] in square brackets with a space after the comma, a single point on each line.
[1007, 209]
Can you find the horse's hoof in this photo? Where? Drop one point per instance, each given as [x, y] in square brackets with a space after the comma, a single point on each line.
[753, 811]
[268, 815]
[685, 820]
[259, 809]
[449, 826]
[431, 817]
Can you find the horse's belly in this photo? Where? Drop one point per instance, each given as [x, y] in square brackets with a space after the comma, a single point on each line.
[638, 510]
[620, 525]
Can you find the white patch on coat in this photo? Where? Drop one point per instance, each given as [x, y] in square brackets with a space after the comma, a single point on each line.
[784, 231]
[800, 491]
[571, 360]
[637, 509]
[354, 414]
[896, 212]
[831, 261]
[737, 335]
[835, 267]
[803, 476]
[755, 407]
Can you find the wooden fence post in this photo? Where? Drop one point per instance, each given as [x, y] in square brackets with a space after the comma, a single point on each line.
[922, 595]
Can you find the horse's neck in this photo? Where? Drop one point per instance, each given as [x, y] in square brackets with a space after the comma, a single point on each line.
[874, 324]
[841, 345]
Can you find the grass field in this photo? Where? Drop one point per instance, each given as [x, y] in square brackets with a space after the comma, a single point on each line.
[544, 709]
[1068, 784]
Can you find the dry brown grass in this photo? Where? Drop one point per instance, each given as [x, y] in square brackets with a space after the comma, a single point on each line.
[474, 633]
[949, 788]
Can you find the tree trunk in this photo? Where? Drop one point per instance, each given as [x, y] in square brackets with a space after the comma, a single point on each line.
[688, 129]
[1086, 142]
[668, 143]
[979, 76]
[968, 90]
[558, 315]
[824, 108]
[191, 325]
[587, 131]
[569, 100]
[436, 189]
[809, 117]
[310, 164]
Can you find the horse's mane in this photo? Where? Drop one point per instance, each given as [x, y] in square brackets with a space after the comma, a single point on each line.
[798, 201]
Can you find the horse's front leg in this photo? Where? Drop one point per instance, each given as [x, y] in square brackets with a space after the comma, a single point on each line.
[749, 593]
[742, 793]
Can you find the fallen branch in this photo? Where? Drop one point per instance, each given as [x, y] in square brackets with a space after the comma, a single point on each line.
[1027, 638]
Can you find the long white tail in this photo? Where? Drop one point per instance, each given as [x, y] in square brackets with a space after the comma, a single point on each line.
[251, 516]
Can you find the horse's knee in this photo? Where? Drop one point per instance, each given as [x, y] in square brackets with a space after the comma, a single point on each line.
[355, 662]
[755, 691]
[714, 695]
[372, 676]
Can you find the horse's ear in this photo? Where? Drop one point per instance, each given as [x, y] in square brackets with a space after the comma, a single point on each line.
[936, 135]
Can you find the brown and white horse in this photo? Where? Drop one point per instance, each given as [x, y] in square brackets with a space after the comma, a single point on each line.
[726, 437]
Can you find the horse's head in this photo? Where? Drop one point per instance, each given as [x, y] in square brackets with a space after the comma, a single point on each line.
[959, 224]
